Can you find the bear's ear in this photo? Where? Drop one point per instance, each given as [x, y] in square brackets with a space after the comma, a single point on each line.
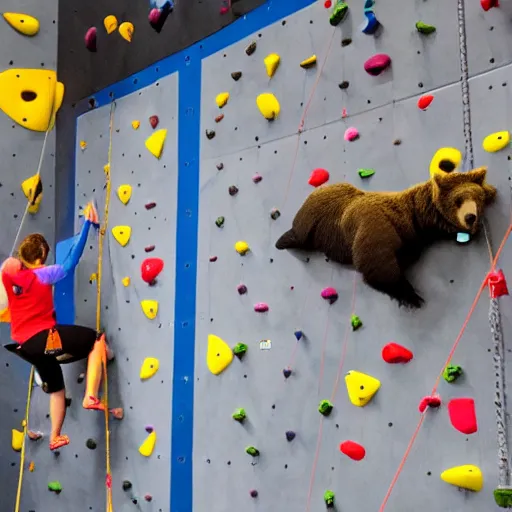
[441, 180]
[477, 175]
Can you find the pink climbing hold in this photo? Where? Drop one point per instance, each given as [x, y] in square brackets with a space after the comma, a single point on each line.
[488, 4]
[90, 39]
[353, 450]
[257, 178]
[318, 177]
[261, 307]
[330, 294]
[463, 415]
[224, 10]
[351, 134]
[429, 401]
[154, 16]
[394, 353]
[377, 64]
[150, 269]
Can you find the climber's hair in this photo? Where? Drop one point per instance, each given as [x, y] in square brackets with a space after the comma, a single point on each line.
[34, 247]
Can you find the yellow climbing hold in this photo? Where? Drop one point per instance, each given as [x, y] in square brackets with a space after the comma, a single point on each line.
[106, 168]
[30, 97]
[445, 160]
[222, 99]
[124, 192]
[17, 440]
[309, 62]
[496, 141]
[93, 277]
[135, 125]
[110, 23]
[466, 477]
[218, 355]
[126, 281]
[83, 144]
[33, 189]
[268, 106]
[23, 23]
[122, 234]
[149, 367]
[126, 30]
[242, 247]
[147, 447]
[271, 63]
[361, 387]
[155, 142]
[149, 308]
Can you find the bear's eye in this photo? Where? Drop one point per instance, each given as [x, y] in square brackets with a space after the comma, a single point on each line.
[459, 201]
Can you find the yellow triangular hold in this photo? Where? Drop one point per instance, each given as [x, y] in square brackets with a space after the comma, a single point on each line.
[147, 447]
[124, 192]
[268, 105]
[122, 234]
[150, 308]
[271, 63]
[218, 355]
[23, 23]
[110, 23]
[155, 142]
[33, 189]
[222, 99]
[466, 477]
[309, 62]
[149, 367]
[361, 387]
[126, 281]
[135, 124]
[17, 440]
[30, 97]
[126, 30]
[496, 141]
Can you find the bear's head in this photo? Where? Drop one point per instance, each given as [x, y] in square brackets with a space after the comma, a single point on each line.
[460, 197]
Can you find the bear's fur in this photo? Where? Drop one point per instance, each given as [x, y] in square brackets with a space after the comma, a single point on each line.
[381, 233]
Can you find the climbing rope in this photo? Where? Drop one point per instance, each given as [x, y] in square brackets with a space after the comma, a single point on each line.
[103, 229]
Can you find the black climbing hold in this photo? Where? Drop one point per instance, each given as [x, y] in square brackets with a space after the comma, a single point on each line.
[236, 75]
[68, 401]
[447, 165]
[220, 221]
[127, 485]
[290, 435]
[287, 372]
[80, 378]
[343, 85]
[134, 501]
[298, 335]
[233, 191]
[397, 142]
[220, 166]
[253, 493]
[251, 48]
[275, 214]
[91, 444]
[346, 42]
[210, 134]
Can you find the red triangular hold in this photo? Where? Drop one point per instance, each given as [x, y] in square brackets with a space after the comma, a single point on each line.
[318, 177]
[394, 353]
[463, 415]
[353, 450]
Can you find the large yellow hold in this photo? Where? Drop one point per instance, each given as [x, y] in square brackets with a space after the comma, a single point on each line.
[149, 367]
[124, 192]
[496, 141]
[126, 30]
[222, 99]
[122, 234]
[218, 355]
[147, 447]
[149, 308]
[466, 477]
[17, 440]
[31, 97]
[33, 189]
[268, 106]
[110, 23]
[155, 142]
[445, 160]
[23, 23]
[361, 387]
[272, 63]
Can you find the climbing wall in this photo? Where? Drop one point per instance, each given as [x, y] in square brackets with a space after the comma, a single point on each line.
[249, 168]
[21, 151]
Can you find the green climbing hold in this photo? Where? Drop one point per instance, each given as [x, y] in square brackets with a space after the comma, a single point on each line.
[239, 415]
[356, 322]
[220, 222]
[366, 173]
[252, 451]
[240, 350]
[338, 13]
[325, 407]
[55, 486]
[452, 373]
[503, 497]
[329, 499]
[424, 28]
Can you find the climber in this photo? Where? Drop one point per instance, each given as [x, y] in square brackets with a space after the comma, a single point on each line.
[28, 287]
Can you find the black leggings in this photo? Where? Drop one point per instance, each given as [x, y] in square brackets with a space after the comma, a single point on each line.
[77, 343]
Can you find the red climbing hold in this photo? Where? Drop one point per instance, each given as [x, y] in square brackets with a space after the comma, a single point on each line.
[149, 248]
[394, 353]
[353, 450]
[425, 101]
[429, 401]
[318, 177]
[497, 284]
[90, 39]
[150, 206]
[327, 4]
[488, 4]
[153, 121]
[150, 269]
[462, 415]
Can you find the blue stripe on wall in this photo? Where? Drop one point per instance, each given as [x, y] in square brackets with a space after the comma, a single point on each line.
[188, 64]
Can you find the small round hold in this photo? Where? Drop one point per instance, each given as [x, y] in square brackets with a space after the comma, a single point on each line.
[257, 178]
[397, 142]
[343, 85]
[351, 134]
[127, 485]
[91, 444]
[148, 497]
[135, 501]
[236, 75]
[330, 294]
[220, 166]
[261, 307]
[253, 493]
[210, 134]
[213, 259]
[233, 190]
[241, 289]
[80, 378]
[149, 428]
[290, 435]
[346, 42]
[287, 372]
[275, 214]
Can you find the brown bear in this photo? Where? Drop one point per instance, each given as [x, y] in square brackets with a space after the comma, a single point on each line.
[381, 233]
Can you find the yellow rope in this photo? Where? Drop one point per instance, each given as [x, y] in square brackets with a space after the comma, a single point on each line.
[98, 313]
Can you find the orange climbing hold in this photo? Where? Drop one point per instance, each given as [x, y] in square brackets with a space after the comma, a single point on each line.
[425, 101]
[462, 415]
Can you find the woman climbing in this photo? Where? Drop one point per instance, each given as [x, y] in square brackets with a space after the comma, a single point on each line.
[39, 339]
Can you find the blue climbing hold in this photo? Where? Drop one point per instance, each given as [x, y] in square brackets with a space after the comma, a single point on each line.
[298, 335]
[287, 372]
[371, 23]
[463, 238]
[290, 435]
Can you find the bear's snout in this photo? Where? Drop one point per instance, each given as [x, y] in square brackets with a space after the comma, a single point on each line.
[467, 214]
